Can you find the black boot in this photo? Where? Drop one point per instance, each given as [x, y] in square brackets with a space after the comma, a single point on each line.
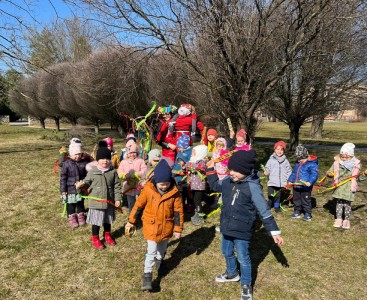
[147, 282]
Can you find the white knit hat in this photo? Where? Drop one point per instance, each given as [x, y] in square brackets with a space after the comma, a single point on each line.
[154, 153]
[75, 149]
[348, 148]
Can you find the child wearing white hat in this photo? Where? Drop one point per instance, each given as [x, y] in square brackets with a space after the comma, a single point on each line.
[345, 170]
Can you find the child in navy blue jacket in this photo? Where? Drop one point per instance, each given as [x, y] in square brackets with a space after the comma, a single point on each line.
[242, 200]
[305, 172]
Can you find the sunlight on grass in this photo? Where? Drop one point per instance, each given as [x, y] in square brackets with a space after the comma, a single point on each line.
[42, 258]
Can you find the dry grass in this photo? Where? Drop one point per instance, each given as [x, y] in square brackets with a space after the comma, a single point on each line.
[42, 258]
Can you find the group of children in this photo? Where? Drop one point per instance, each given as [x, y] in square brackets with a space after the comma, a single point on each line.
[159, 192]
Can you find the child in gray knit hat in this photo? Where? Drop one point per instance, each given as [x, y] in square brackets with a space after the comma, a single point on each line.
[304, 175]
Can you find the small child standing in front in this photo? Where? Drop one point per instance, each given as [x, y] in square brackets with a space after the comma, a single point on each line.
[278, 169]
[305, 172]
[160, 208]
[73, 170]
[102, 182]
[195, 170]
[131, 171]
[242, 201]
[345, 166]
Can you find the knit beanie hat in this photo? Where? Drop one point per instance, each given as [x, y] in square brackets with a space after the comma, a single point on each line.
[242, 161]
[162, 172]
[103, 153]
[183, 141]
[241, 133]
[199, 152]
[348, 148]
[75, 141]
[301, 152]
[75, 149]
[102, 144]
[130, 136]
[109, 141]
[281, 144]
[212, 131]
[223, 141]
[154, 153]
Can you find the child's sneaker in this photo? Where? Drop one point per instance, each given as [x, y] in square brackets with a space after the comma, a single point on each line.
[73, 221]
[296, 214]
[346, 224]
[226, 278]
[338, 223]
[246, 293]
[198, 220]
[147, 282]
[307, 217]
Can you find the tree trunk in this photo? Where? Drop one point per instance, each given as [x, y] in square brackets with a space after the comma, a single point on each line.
[96, 127]
[316, 127]
[57, 123]
[42, 123]
[294, 135]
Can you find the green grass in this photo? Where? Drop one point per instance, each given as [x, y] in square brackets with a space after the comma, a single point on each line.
[42, 258]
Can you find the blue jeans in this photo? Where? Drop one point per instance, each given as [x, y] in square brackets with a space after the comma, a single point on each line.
[243, 257]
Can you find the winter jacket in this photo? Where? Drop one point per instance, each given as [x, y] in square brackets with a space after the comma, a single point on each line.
[72, 172]
[177, 170]
[161, 214]
[102, 185]
[132, 167]
[242, 201]
[196, 175]
[279, 170]
[166, 136]
[347, 190]
[307, 172]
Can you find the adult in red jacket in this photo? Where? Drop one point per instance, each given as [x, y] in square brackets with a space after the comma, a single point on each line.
[186, 122]
[166, 137]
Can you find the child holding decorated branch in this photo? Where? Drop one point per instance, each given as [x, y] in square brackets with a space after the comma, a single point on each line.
[242, 201]
[104, 190]
[160, 208]
[278, 169]
[195, 170]
[131, 171]
[184, 151]
[303, 177]
[345, 170]
[73, 170]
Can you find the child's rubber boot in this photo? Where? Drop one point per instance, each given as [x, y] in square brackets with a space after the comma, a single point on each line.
[73, 221]
[108, 238]
[346, 224]
[147, 282]
[81, 219]
[338, 223]
[96, 242]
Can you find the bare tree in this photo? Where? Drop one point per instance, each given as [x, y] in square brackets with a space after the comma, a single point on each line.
[313, 85]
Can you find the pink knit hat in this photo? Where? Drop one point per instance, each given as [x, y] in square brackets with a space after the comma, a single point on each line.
[241, 133]
[109, 141]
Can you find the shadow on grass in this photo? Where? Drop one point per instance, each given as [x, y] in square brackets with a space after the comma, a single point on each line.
[194, 243]
[261, 245]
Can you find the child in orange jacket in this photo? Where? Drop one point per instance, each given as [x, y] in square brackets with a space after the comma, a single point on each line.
[161, 208]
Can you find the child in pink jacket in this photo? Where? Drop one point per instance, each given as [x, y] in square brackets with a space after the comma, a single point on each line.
[131, 170]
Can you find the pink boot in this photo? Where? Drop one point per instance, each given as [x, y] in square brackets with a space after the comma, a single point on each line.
[73, 221]
[108, 238]
[96, 242]
[81, 219]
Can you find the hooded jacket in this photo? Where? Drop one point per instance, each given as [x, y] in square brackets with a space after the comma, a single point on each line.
[242, 201]
[161, 214]
[307, 172]
[279, 170]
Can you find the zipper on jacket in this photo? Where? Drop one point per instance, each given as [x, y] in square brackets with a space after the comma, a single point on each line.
[235, 196]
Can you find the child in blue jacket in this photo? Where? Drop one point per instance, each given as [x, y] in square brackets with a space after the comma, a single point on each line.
[305, 172]
[242, 200]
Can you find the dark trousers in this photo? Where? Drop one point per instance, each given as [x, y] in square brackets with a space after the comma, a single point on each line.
[302, 201]
[73, 208]
[197, 196]
[106, 227]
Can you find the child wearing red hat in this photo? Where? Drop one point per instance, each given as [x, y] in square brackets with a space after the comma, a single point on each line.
[278, 169]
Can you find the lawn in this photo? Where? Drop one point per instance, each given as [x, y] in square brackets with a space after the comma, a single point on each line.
[42, 258]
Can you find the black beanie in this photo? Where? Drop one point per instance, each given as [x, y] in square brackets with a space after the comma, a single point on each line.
[103, 153]
[242, 161]
[102, 144]
[162, 172]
